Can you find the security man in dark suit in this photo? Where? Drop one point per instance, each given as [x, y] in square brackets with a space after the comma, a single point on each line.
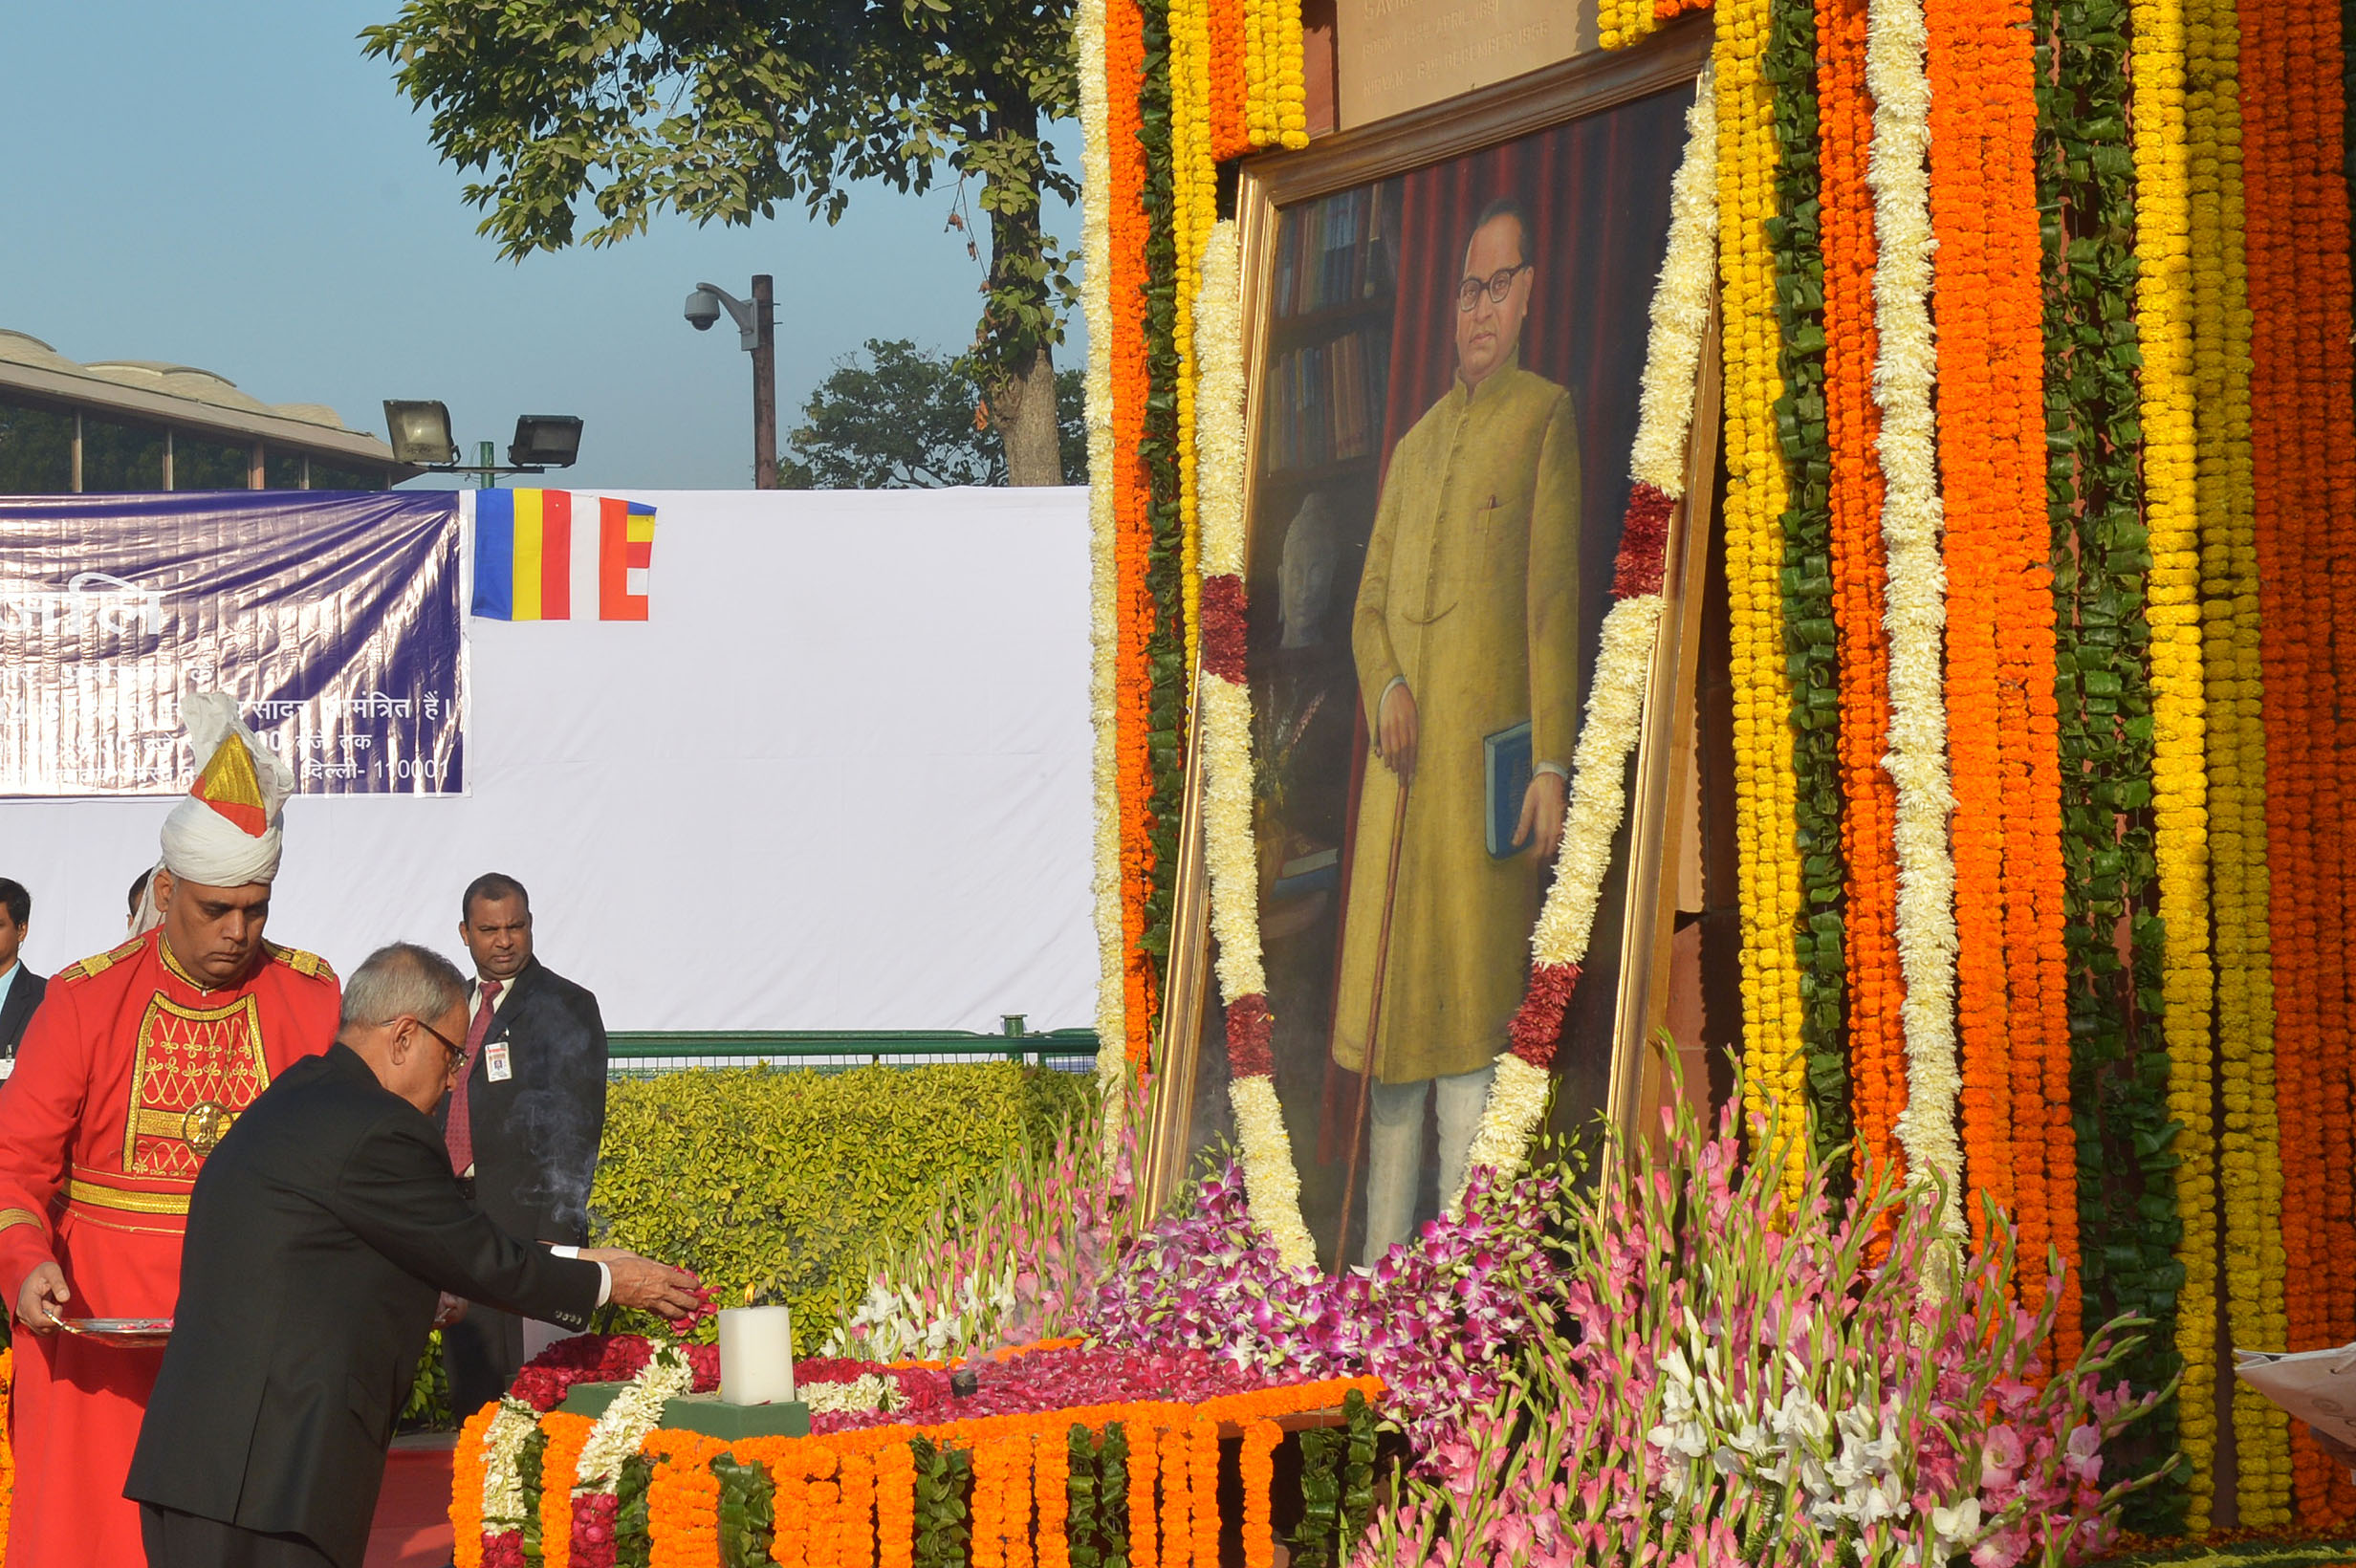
[524, 1124]
[20, 988]
[320, 1233]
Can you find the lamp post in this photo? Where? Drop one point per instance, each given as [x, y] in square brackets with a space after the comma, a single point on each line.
[757, 323]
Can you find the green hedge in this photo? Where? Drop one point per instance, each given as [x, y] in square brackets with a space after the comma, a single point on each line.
[789, 1182]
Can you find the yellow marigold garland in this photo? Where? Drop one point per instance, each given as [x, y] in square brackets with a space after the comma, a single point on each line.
[1290, 88]
[2249, 1152]
[1619, 22]
[2164, 314]
[1766, 832]
[1193, 207]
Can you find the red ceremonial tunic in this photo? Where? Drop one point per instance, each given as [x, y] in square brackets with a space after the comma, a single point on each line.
[126, 1079]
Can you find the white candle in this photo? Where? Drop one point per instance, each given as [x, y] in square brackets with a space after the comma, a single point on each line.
[756, 1355]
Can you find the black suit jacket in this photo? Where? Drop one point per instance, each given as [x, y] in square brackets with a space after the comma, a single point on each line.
[25, 994]
[536, 1133]
[319, 1234]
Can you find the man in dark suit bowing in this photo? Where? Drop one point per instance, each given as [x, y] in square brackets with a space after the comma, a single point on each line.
[20, 988]
[524, 1124]
[324, 1225]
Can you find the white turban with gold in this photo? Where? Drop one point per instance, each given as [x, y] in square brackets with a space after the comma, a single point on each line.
[226, 830]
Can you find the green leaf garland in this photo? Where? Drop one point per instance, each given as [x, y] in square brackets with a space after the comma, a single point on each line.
[747, 1511]
[2127, 1211]
[1165, 669]
[1795, 239]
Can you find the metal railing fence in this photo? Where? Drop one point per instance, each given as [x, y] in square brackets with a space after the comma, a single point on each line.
[634, 1054]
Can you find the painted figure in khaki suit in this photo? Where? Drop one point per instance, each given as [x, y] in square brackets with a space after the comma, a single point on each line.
[1467, 624]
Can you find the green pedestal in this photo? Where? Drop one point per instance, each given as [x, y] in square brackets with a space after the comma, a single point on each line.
[706, 1414]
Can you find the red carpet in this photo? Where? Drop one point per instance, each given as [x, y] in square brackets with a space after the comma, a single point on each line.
[413, 1511]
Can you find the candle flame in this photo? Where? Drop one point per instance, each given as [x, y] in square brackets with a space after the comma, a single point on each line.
[748, 1295]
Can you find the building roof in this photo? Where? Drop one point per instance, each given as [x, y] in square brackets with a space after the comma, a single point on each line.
[179, 395]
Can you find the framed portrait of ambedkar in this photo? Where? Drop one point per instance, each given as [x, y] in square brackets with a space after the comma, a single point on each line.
[1446, 331]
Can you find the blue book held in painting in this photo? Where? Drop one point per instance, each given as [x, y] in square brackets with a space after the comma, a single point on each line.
[1507, 759]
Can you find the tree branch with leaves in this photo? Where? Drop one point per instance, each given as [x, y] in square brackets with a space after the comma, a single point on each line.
[584, 121]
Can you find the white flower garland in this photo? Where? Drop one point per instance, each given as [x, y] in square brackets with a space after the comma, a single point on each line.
[505, 1507]
[1222, 706]
[628, 1420]
[868, 1391]
[1104, 633]
[1615, 717]
[1898, 173]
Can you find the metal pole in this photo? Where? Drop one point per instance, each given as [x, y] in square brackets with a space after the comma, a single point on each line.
[488, 455]
[764, 382]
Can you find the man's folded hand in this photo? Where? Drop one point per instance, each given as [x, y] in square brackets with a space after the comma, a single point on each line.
[647, 1285]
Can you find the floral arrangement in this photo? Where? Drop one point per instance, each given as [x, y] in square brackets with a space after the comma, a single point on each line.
[1032, 1469]
[2152, 883]
[1010, 1262]
[1433, 1321]
[1732, 1377]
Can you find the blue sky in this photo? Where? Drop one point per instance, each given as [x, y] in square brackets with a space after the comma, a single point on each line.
[238, 188]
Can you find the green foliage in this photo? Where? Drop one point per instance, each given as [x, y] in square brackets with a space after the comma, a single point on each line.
[720, 112]
[1356, 1467]
[633, 1525]
[1794, 234]
[2126, 1207]
[944, 1481]
[787, 1182]
[1113, 1493]
[748, 1513]
[1158, 449]
[529, 1460]
[1079, 1489]
[1314, 1541]
[905, 418]
[427, 1408]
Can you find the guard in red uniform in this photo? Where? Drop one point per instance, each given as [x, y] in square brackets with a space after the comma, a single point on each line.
[136, 1064]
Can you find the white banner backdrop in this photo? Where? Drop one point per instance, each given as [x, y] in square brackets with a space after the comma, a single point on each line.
[838, 779]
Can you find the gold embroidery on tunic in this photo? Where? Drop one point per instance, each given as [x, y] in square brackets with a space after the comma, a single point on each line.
[196, 1069]
[77, 1190]
[18, 1217]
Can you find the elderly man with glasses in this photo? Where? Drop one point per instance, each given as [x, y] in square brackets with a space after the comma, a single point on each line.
[319, 1235]
[1466, 641]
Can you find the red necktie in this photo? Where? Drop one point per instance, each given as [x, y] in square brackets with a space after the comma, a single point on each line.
[460, 1133]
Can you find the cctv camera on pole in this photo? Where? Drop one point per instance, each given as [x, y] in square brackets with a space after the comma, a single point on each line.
[755, 321]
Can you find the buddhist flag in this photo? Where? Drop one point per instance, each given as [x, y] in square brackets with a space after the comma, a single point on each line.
[531, 561]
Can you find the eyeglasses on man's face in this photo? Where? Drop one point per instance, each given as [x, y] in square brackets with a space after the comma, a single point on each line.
[455, 1052]
[1496, 286]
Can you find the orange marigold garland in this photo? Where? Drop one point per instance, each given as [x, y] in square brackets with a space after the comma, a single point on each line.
[1258, 1459]
[1204, 1436]
[1144, 1468]
[1868, 798]
[558, 1462]
[467, 1469]
[1052, 1470]
[683, 1502]
[2303, 471]
[1178, 1499]
[1125, 75]
[2004, 740]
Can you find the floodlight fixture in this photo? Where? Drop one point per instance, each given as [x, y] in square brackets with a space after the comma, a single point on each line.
[545, 441]
[421, 439]
[421, 433]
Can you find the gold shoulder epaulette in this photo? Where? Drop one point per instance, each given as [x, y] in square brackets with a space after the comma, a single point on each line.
[311, 964]
[98, 964]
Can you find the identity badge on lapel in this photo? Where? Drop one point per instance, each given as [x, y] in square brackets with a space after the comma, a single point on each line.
[496, 1062]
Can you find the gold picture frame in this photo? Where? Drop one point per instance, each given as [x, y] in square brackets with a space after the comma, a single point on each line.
[1544, 101]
